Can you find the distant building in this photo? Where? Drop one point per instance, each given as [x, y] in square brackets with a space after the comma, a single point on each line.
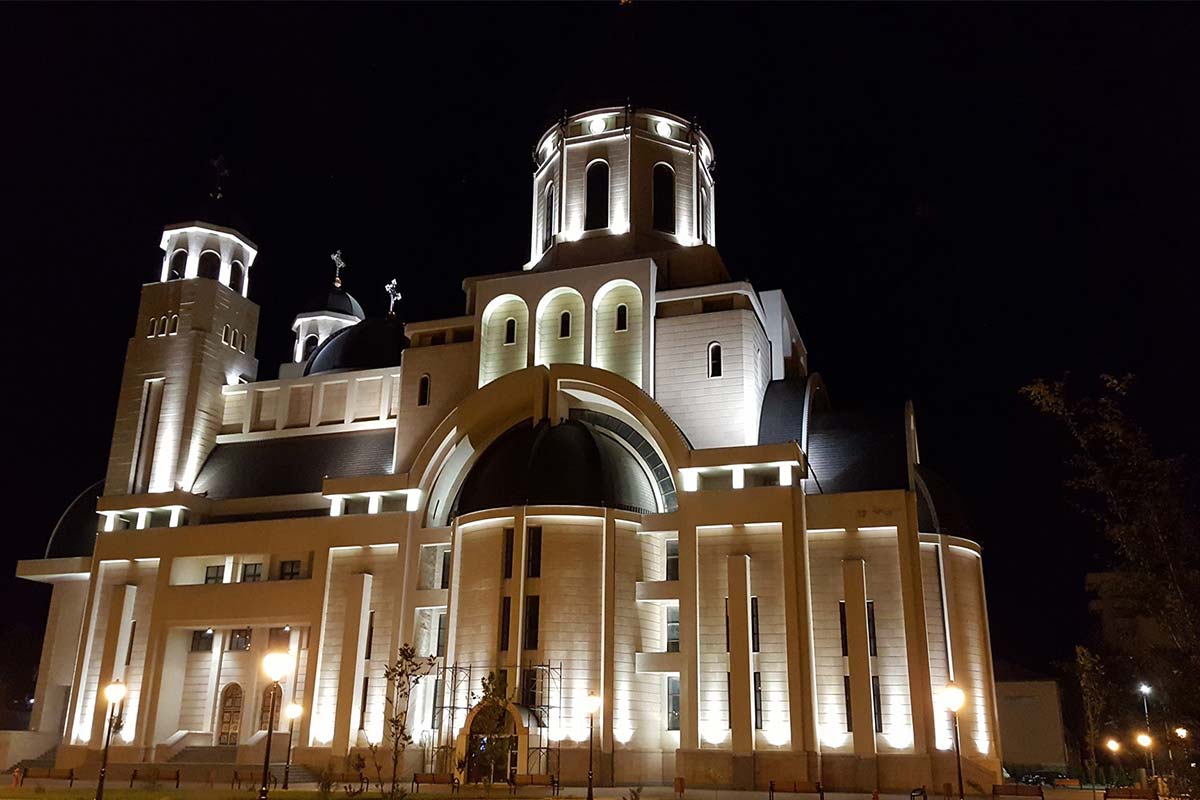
[613, 474]
[1032, 733]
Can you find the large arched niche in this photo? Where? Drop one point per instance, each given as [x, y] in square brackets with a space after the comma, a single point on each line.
[551, 347]
[561, 392]
[504, 338]
[617, 329]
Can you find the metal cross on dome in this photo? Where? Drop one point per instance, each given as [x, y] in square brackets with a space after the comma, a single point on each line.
[340, 265]
[393, 296]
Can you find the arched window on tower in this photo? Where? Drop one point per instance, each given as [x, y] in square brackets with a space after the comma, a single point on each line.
[510, 331]
[664, 198]
[310, 344]
[242, 344]
[596, 216]
[714, 360]
[178, 264]
[704, 216]
[622, 318]
[423, 391]
[174, 326]
[210, 265]
[153, 328]
[237, 276]
[233, 339]
[549, 210]
[225, 335]
[564, 325]
[162, 325]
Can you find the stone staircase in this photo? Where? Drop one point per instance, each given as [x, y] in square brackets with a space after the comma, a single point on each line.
[44, 761]
[219, 754]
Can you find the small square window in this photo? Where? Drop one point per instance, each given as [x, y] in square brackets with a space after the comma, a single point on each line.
[252, 572]
[214, 574]
[202, 641]
[239, 639]
[289, 570]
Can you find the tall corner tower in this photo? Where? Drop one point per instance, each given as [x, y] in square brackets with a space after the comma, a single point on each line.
[195, 333]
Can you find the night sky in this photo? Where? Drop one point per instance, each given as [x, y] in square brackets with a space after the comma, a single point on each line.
[955, 199]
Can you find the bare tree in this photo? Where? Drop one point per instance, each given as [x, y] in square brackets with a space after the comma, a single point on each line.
[401, 677]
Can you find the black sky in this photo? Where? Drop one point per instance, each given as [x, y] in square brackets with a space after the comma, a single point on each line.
[956, 199]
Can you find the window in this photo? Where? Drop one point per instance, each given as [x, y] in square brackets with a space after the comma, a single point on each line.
[673, 629]
[225, 335]
[362, 703]
[596, 197]
[129, 647]
[672, 559]
[162, 325]
[704, 216]
[533, 566]
[370, 634]
[279, 639]
[842, 622]
[505, 621]
[714, 360]
[874, 646]
[445, 581]
[423, 391]
[758, 705]
[754, 624]
[672, 702]
[152, 393]
[239, 639]
[202, 641]
[564, 325]
[508, 552]
[289, 570]
[178, 264]
[622, 318]
[875, 704]
[242, 343]
[153, 328]
[663, 197]
[174, 329]
[510, 331]
[252, 573]
[846, 700]
[210, 265]
[237, 276]
[310, 344]
[441, 635]
[233, 339]
[548, 214]
[214, 574]
[436, 722]
[529, 686]
[531, 622]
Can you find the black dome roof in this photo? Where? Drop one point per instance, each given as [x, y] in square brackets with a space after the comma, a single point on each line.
[370, 344]
[573, 463]
[75, 532]
[338, 300]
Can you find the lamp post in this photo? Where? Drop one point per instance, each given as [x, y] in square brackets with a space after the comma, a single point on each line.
[276, 666]
[1144, 688]
[114, 693]
[593, 705]
[292, 711]
[953, 699]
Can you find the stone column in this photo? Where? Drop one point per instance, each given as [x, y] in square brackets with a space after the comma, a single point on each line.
[608, 645]
[741, 692]
[352, 667]
[916, 637]
[516, 590]
[112, 658]
[689, 639]
[798, 618]
[854, 577]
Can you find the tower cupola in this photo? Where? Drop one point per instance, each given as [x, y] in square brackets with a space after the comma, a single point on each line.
[204, 250]
[322, 317]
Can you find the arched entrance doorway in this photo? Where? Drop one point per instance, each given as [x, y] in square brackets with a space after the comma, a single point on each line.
[230, 724]
[492, 745]
[264, 714]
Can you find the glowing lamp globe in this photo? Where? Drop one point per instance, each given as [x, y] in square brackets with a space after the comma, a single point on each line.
[293, 711]
[114, 692]
[663, 129]
[1182, 733]
[1144, 740]
[593, 703]
[596, 125]
[1113, 745]
[953, 697]
[1144, 688]
[277, 666]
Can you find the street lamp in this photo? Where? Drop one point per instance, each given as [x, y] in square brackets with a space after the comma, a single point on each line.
[1182, 733]
[1113, 745]
[114, 693]
[292, 711]
[593, 705]
[1144, 688]
[276, 666]
[953, 699]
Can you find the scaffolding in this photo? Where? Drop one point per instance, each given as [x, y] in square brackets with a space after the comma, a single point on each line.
[540, 692]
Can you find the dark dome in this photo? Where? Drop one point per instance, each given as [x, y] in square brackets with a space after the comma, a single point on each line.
[370, 344]
[75, 532]
[338, 300]
[571, 464]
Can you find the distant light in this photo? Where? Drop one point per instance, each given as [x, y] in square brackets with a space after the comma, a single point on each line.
[953, 698]
[619, 228]
[287, 628]
[1182, 733]
[593, 703]
[1144, 740]
[208, 631]
[277, 666]
[1144, 688]
[293, 710]
[663, 129]
[114, 692]
[1113, 745]
[597, 125]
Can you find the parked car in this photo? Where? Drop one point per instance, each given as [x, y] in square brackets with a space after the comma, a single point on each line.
[1043, 777]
